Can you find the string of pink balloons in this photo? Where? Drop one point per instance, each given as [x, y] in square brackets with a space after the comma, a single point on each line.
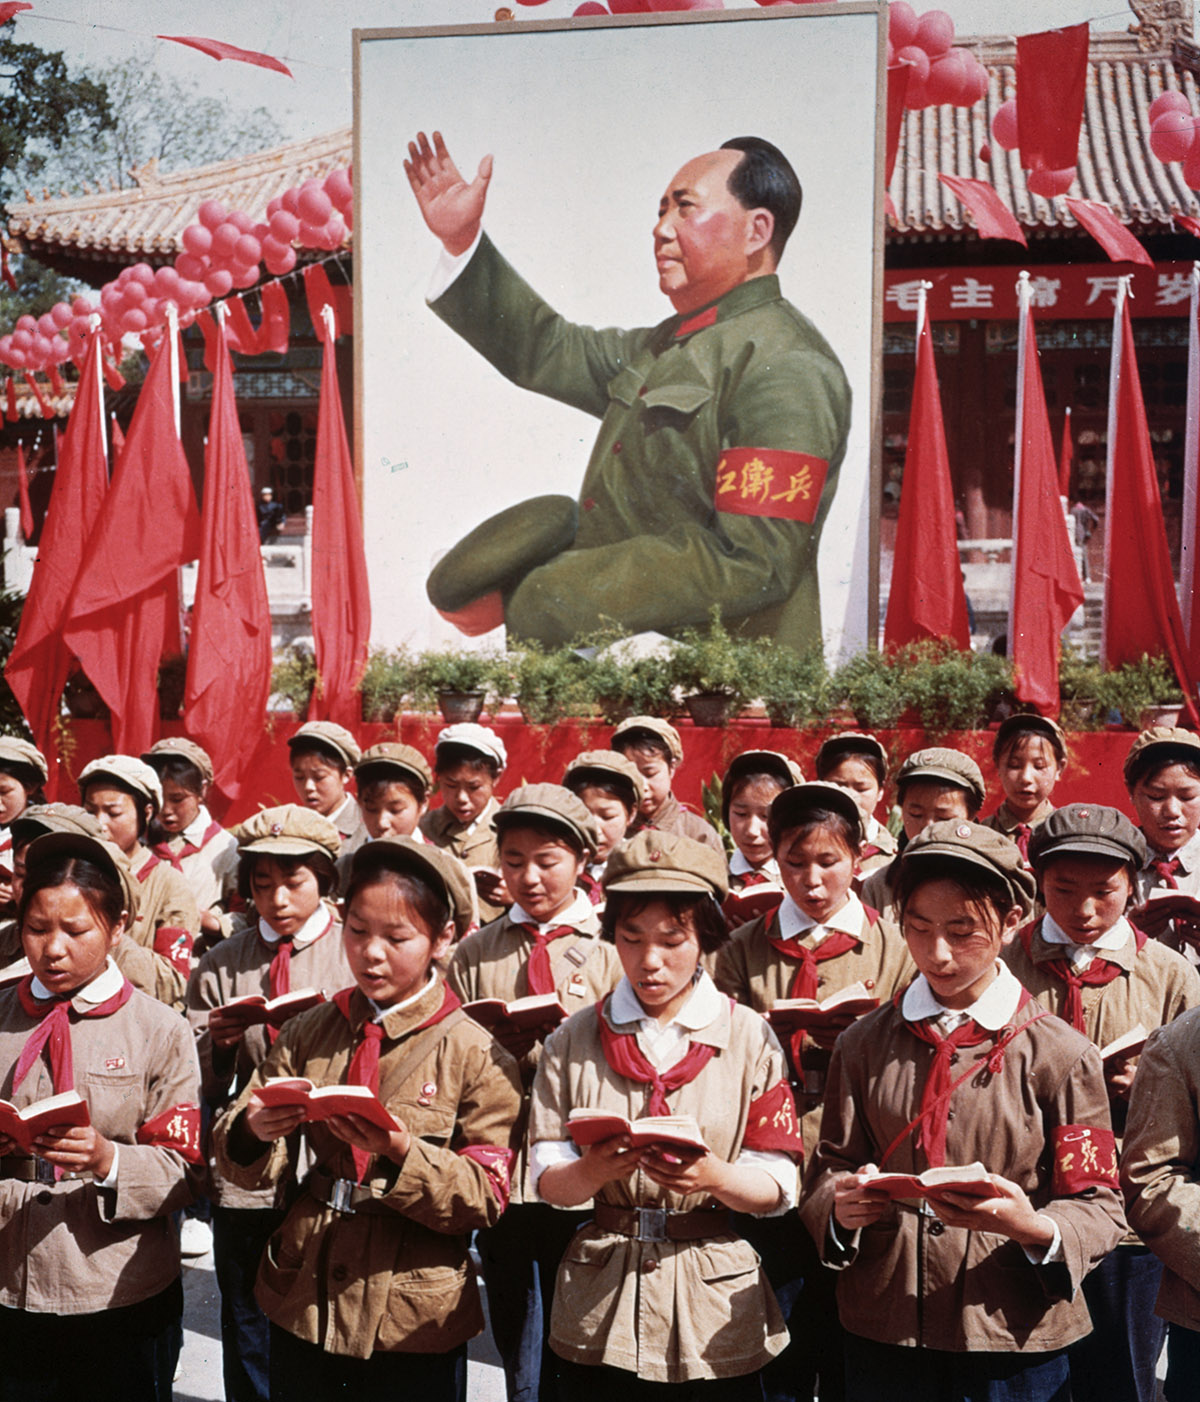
[1173, 134]
[225, 249]
[940, 75]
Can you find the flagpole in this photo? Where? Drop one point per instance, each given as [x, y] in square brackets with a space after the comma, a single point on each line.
[173, 351]
[1023, 292]
[1114, 385]
[94, 321]
[1191, 449]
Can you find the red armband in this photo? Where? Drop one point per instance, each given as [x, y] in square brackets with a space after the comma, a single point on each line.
[497, 1164]
[1085, 1156]
[770, 482]
[177, 1128]
[174, 945]
[772, 1123]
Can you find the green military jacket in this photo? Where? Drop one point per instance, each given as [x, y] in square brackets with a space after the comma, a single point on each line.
[716, 463]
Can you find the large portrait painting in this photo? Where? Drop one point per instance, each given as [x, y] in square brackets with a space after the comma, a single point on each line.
[616, 284]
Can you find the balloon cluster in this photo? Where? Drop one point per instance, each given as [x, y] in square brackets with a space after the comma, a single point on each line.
[224, 250]
[1005, 133]
[941, 74]
[1173, 134]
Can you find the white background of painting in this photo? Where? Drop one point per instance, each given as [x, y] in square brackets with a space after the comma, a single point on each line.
[586, 127]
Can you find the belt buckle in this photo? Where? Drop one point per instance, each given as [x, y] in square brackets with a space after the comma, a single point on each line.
[340, 1196]
[652, 1223]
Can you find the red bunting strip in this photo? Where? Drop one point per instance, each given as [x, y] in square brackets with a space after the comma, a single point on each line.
[10, 400]
[993, 218]
[56, 384]
[23, 494]
[181, 357]
[277, 317]
[219, 49]
[112, 376]
[47, 412]
[320, 292]
[1108, 231]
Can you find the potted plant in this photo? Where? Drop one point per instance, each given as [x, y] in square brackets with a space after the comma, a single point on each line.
[872, 687]
[386, 683]
[1080, 683]
[1144, 693]
[292, 680]
[457, 679]
[793, 686]
[951, 689]
[548, 684]
[715, 670]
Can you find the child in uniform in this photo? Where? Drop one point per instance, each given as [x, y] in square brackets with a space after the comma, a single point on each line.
[1087, 964]
[123, 795]
[23, 771]
[323, 755]
[1162, 775]
[858, 762]
[185, 833]
[548, 942]
[611, 788]
[658, 1295]
[751, 783]
[91, 1298]
[467, 762]
[654, 746]
[393, 783]
[963, 1297]
[932, 786]
[368, 1284]
[1030, 755]
[286, 871]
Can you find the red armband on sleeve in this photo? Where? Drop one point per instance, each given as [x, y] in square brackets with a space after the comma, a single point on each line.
[1085, 1156]
[772, 1123]
[177, 1128]
[174, 945]
[771, 482]
[497, 1164]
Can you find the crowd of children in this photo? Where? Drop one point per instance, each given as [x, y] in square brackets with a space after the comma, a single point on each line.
[832, 1099]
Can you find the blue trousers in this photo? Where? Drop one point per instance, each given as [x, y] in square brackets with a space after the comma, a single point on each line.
[303, 1372]
[888, 1373]
[1119, 1359]
[240, 1235]
[1183, 1364]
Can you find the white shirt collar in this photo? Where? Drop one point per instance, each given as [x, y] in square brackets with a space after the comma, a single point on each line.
[1188, 855]
[106, 985]
[874, 829]
[195, 830]
[794, 924]
[346, 812]
[1115, 938]
[316, 924]
[993, 1009]
[579, 911]
[700, 1010]
[378, 1013]
[739, 866]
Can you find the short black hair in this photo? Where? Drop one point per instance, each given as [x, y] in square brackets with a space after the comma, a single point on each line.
[179, 770]
[450, 754]
[145, 808]
[814, 820]
[430, 905]
[374, 780]
[764, 179]
[318, 863]
[834, 751]
[614, 785]
[648, 741]
[981, 888]
[700, 911]
[1158, 757]
[302, 745]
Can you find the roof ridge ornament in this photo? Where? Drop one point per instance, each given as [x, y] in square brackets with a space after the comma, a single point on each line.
[1159, 23]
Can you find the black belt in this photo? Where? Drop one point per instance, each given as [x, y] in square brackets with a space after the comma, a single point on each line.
[26, 1169]
[659, 1224]
[344, 1195]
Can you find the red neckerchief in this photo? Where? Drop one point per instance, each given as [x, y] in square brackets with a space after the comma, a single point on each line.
[1099, 972]
[279, 974]
[539, 975]
[1021, 835]
[55, 1016]
[364, 1064]
[626, 1058]
[591, 888]
[148, 866]
[752, 878]
[804, 985]
[165, 852]
[931, 1122]
[1166, 870]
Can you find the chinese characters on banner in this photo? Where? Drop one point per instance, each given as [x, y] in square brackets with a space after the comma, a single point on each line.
[1070, 292]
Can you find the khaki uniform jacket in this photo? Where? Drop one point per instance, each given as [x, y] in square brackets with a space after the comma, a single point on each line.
[397, 1278]
[475, 846]
[674, 817]
[211, 873]
[233, 969]
[1160, 1164]
[916, 1282]
[668, 1311]
[754, 973]
[877, 889]
[164, 899]
[1005, 821]
[878, 851]
[73, 1247]
[752, 372]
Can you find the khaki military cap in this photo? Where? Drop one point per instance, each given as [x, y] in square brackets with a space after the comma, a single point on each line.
[1089, 830]
[550, 803]
[393, 758]
[134, 773]
[1161, 744]
[663, 730]
[793, 805]
[63, 842]
[944, 766]
[976, 846]
[655, 861]
[473, 736]
[1040, 725]
[849, 742]
[758, 762]
[16, 750]
[332, 736]
[180, 747]
[440, 868]
[606, 765]
[41, 818]
[289, 831]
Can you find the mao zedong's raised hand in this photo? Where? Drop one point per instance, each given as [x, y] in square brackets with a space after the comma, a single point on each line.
[452, 209]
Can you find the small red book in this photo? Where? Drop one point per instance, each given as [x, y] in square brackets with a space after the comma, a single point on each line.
[971, 1180]
[791, 1014]
[538, 1011]
[68, 1109]
[253, 1007]
[324, 1102]
[660, 1131]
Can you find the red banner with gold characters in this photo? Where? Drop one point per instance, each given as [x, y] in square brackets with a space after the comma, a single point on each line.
[784, 486]
[177, 1128]
[1085, 1156]
[771, 1122]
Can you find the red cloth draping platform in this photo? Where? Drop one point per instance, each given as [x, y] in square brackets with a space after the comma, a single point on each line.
[541, 753]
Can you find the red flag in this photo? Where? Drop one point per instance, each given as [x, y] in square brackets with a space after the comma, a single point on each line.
[1108, 231]
[1051, 85]
[1141, 612]
[118, 439]
[1046, 585]
[321, 292]
[124, 609]
[240, 334]
[926, 599]
[40, 661]
[277, 319]
[229, 662]
[219, 49]
[47, 412]
[341, 600]
[23, 494]
[993, 218]
[1066, 456]
[13, 7]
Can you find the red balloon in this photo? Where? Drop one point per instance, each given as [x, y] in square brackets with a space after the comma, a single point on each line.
[143, 273]
[333, 233]
[935, 32]
[1171, 135]
[134, 320]
[947, 77]
[247, 250]
[589, 7]
[290, 200]
[311, 235]
[985, 153]
[1191, 167]
[61, 314]
[241, 221]
[46, 325]
[1050, 182]
[244, 274]
[918, 60]
[1004, 125]
[190, 267]
[975, 88]
[166, 283]
[25, 322]
[81, 306]
[902, 23]
[193, 293]
[219, 282]
[135, 294]
[224, 241]
[197, 239]
[1170, 101]
[22, 339]
[279, 258]
[314, 205]
[338, 188]
[284, 226]
[273, 205]
[211, 214]
[630, 7]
